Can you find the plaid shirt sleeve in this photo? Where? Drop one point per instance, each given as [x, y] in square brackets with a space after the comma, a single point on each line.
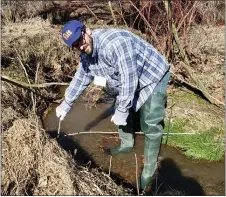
[79, 83]
[125, 58]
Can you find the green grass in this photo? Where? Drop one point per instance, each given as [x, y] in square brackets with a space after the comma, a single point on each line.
[207, 145]
[189, 97]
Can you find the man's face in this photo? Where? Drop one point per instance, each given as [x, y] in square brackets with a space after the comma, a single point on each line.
[84, 44]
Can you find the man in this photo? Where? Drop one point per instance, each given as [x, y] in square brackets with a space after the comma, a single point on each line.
[135, 71]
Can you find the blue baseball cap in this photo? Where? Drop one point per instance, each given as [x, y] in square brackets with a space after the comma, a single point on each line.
[72, 32]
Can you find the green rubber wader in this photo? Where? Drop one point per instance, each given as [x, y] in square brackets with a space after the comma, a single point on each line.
[152, 114]
[126, 133]
[126, 137]
[151, 118]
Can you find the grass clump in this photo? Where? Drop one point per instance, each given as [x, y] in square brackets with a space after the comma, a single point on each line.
[208, 145]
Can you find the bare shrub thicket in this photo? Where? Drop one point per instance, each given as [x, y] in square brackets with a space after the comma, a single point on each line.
[211, 12]
[148, 16]
[151, 18]
[33, 164]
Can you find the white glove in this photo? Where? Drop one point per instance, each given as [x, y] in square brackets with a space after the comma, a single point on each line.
[60, 113]
[119, 118]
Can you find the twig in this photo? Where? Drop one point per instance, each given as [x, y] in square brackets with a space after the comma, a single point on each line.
[170, 40]
[109, 172]
[138, 133]
[137, 16]
[18, 84]
[58, 132]
[138, 193]
[25, 71]
[112, 13]
[171, 110]
[19, 58]
[90, 132]
[148, 24]
[36, 80]
[122, 14]
[92, 13]
[181, 22]
[156, 190]
[36, 73]
[189, 21]
[34, 105]
[43, 85]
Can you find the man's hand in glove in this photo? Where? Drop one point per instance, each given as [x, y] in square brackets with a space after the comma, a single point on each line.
[60, 113]
[119, 118]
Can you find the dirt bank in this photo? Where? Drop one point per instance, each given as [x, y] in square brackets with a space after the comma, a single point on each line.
[34, 164]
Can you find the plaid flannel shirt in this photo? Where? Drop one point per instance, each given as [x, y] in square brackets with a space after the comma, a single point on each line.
[131, 66]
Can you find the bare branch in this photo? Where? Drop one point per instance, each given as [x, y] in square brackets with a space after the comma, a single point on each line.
[112, 13]
[138, 193]
[109, 172]
[137, 133]
[43, 85]
[148, 24]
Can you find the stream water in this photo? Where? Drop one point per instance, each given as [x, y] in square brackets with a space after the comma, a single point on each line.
[176, 173]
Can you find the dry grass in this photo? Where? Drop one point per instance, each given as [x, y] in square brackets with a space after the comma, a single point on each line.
[37, 42]
[93, 94]
[206, 44]
[14, 103]
[33, 164]
[17, 11]
[35, 45]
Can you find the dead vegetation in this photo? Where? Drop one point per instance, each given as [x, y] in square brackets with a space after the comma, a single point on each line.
[32, 53]
[207, 49]
[34, 164]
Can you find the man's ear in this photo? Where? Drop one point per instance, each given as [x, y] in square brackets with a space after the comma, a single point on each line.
[88, 31]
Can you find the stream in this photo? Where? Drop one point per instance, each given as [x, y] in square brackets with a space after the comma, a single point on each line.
[177, 174]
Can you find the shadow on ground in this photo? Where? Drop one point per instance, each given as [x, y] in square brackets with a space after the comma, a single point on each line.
[171, 182]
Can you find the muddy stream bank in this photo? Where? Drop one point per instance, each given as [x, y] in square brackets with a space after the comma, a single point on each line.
[176, 172]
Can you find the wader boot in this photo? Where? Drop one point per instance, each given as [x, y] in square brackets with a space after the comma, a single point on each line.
[127, 137]
[152, 114]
